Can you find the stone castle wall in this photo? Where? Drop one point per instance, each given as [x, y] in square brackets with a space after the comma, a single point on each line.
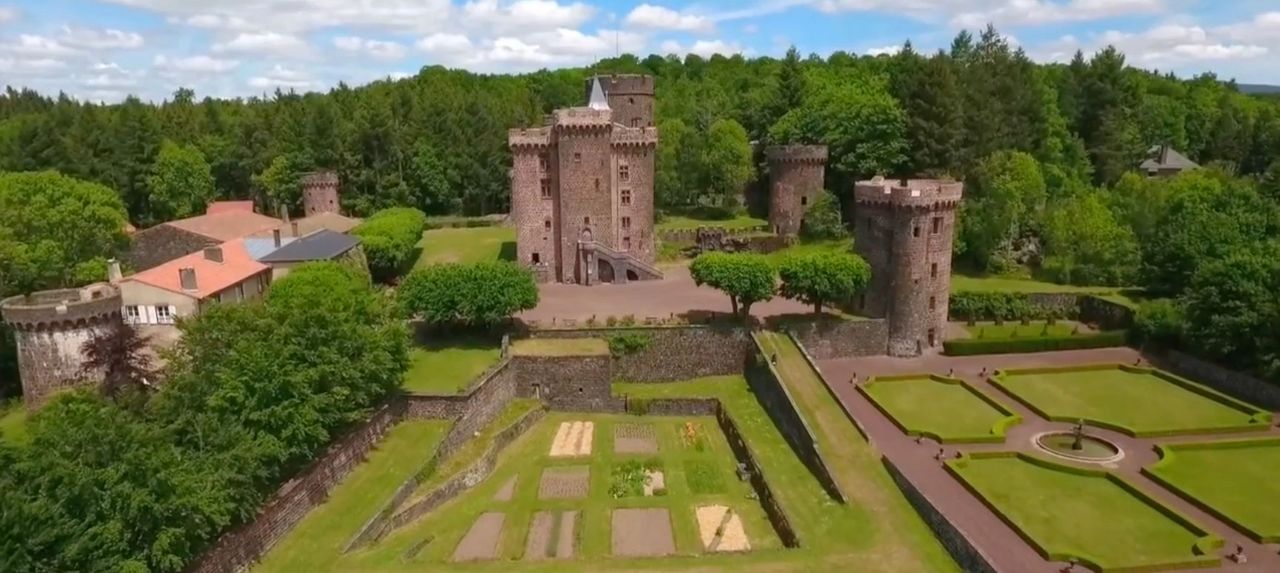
[965, 553]
[630, 97]
[1235, 384]
[830, 339]
[673, 353]
[320, 193]
[584, 205]
[50, 329]
[796, 178]
[635, 221]
[905, 231]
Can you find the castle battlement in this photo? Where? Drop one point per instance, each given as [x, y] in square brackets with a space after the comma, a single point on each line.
[582, 117]
[320, 179]
[62, 308]
[910, 193]
[529, 137]
[634, 135]
[624, 84]
[796, 154]
[320, 193]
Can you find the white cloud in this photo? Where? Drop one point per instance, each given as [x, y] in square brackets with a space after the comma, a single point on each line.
[978, 13]
[108, 39]
[33, 46]
[522, 16]
[648, 16]
[300, 16]
[1170, 45]
[263, 43]
[885, 50]
[30, 66]
[8, 14]
[376, 48]
[442, 43]
[283, 78]
[750, 29]
[194, 65]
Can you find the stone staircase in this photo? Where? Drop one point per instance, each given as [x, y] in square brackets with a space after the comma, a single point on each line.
[621, 262]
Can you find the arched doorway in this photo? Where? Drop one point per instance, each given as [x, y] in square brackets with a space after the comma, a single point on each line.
[605, 271]
[632, 276]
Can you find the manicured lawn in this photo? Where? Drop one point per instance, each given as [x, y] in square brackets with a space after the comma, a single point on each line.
[448, 366]
[475, 447]
[961, 281]
[317, 541]
[472, 245]
[940, 408]
[1236, 480]
[560, 347]
[1069, 514]
[1138, 403]
[680, 222]
[13, 423]
[1015, 329]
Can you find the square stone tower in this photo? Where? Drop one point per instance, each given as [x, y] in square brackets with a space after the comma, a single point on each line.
[582, 190]
[905, 230]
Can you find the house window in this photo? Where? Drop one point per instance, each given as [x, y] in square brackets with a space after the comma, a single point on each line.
[626, 196]
[933, 303]
[259, 283]
[546, 188]
[546, 225]
[915, 231]
[240, 291]
[164, 314]
[132, 314]
[537, 258]
[933, 271]
[937, 225]
[626, 243]
[577, 158]
[626, 222]
[624, 173]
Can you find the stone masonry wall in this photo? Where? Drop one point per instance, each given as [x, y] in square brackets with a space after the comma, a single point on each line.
[563, 380]
[238, 550]
[1105, 314]
[830, 339]
[970, 559]
[776, 514]
[1235, 384]
[673, 353]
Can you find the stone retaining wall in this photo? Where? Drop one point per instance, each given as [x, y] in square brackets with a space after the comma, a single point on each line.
[1105, 314]
[833, 338]
[241, 548]
[1235, 384]
[562, 381]
[673, 353]
[773, 510]
[673, 406]
[969, 557]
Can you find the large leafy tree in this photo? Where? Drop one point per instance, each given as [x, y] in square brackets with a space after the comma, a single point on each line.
[181, 182]
[1232, 309]
[726, 161]
[746, 277]
[390, 238]
[120, 355]
[469, 295]
[1085, 244]
[819, 278]
[1004, 201]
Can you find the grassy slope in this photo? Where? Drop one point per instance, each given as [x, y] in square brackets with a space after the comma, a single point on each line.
[448, 366]
[1239, 482]
[1140, 402]
[314, 543]
[926, 405]
[13, 423]
[467, 245]
[1078, 515]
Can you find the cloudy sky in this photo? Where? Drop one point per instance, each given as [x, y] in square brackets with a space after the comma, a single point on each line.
[104, 49]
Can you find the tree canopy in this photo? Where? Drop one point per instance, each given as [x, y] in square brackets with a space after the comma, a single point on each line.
[747, 278]
[472, 295]
[818, 278]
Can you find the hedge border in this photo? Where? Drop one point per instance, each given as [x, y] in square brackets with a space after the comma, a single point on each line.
[1168, 456]
[1259, 420]
[978, 346]
[998, 430]
[1206, 543]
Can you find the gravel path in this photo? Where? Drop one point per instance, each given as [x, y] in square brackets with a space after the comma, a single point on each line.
[481, 541]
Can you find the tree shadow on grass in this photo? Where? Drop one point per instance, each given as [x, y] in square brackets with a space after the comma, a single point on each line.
[508, 251]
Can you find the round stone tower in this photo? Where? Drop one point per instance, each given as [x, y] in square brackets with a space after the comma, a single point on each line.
[630, 98]
[320, 193]
[50, 328]
[904, 229]
[796, 178]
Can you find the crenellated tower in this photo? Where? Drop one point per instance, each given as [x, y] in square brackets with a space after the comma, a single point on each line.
[631, 98]
[320, 193]
[797, 174]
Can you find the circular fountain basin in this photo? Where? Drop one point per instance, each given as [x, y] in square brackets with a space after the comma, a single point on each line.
[1093, 449]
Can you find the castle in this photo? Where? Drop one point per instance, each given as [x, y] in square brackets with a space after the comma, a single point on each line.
[582, 187]
[796, 177]
[320, 193]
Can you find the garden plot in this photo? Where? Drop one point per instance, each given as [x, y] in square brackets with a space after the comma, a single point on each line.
[564, 482]
[573, 439]
[642, 533]
[481, 541]
[721, 529]
[635, 439]
[552, 535]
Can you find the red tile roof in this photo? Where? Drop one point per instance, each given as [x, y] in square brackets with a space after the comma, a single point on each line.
[211, 277]
[217, 207]
[225, 225]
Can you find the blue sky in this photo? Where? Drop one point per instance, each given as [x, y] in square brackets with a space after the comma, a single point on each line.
[102, 50]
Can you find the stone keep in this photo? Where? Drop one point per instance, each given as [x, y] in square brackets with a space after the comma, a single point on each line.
[796, 179]
[51, 327]
[904, 229]
[320, 193]
[582, 189]
[630, 97]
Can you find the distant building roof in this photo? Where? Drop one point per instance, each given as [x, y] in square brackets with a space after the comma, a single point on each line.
[322, 245]
[259, 247]
[1166, 158]
[224, 225]
[332, 221]
[217, 207]
[211, 276]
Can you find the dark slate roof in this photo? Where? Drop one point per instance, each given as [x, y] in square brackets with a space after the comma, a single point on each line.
[1163, 157]
[322, 245]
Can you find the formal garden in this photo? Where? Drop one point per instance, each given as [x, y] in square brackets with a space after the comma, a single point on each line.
[947, 410]
[1234, 480]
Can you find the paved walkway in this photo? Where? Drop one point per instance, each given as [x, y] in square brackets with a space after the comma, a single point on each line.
[1002, 546]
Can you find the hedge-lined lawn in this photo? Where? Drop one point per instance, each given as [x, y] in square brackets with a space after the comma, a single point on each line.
[962, 281]
[1236, 480]
[467, 245]
[448, 366]
[1140, 403]
[1015, 329]
[677, 222]
[1071, 514]
[940, 408]
[13, 423]
[527, 458]
[317, 541]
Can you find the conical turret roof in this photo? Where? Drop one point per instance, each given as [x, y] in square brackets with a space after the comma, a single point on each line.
[598, 101]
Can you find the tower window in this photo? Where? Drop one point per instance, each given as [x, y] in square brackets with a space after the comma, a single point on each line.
[626, 222]
[631, 100]
[537, 258]
[586, 220]
[543, 163]
[937, 225]
[597, 183]
[624, 173]
[933, 303]
[915, 231]
[626, 243]
[625, 196]
[933, 271]
[635, 122]
[804, 200]
[577, 157]
[546, 188]
[546, 225]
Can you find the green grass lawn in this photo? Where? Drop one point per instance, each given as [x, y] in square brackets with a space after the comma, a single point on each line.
[1015, 329]
[943, 409]
[448, 366]
[1137, 403]
[1069, 514]
[472, 245]
[13, 423]
[316, 542]
[963, 281]
[560, 347]
[676, 222]
[1236, 480]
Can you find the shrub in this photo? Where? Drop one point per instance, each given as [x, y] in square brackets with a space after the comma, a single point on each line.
[817, 278]
[747, 278]
[476, 294]
[628, 343]
[822, 219]
[390, 239]
[999, 306]
[1160, 321]
[975, 346]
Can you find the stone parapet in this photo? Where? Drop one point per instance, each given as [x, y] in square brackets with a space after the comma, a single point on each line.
[634, 136]
[529, 137]
[797, 154]
[61, 308]
[582, 117]
[910, 193]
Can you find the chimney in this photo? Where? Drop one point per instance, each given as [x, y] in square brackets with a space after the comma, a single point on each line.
[213, 254]
[187, 277]
[294, 227]
[275, 235]
[113, 271]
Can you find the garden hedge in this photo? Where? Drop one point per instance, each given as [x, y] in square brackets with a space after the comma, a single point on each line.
[390, 240]
[975, 346]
